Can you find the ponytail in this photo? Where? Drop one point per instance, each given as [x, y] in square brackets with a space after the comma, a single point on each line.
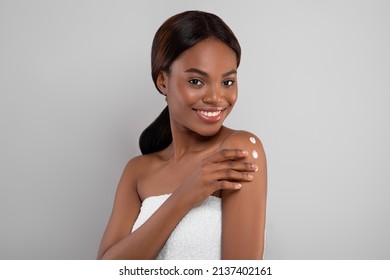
[157, 136]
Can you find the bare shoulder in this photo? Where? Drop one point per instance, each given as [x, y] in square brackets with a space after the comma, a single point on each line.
[251, 143]
[141, 164]
[243, 210]
[133, 170]
[140, 170]
[241, 139]
[132, 167]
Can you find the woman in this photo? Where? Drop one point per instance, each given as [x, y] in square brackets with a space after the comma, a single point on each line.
[199, 189]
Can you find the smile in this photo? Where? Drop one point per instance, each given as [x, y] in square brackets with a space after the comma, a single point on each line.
[210, 115]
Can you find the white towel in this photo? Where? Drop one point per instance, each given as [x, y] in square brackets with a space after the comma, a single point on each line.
[196, 237]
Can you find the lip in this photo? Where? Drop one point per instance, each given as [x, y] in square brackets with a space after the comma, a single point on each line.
[210, 114]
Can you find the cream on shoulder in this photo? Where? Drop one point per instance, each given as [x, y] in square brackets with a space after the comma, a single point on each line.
[254, 152]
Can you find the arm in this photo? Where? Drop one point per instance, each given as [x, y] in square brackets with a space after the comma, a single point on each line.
[147, 241]
[244, 211]
[213, 173]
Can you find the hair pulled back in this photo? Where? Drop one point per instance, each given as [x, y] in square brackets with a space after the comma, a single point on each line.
[176, 35]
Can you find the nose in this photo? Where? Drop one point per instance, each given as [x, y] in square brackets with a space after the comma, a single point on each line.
[213, 95]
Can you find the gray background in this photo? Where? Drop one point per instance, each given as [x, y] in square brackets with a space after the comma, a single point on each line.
[76, 92]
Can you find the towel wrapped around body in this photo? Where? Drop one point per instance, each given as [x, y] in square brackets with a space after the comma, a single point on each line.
[196, 237]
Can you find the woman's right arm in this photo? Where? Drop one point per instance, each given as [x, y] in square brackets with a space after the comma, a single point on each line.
[147, 241]
[222, 170]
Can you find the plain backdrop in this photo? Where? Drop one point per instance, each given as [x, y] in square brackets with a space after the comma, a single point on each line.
[76, 92]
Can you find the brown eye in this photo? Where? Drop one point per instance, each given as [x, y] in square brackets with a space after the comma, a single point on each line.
[195, 82]
[228, 83]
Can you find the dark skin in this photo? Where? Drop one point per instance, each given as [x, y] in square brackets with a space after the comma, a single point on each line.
[205, 158]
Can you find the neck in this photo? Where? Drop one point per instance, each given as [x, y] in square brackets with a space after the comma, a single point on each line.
[189, 143]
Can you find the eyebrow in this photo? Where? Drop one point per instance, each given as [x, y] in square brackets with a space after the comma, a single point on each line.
[203, 73]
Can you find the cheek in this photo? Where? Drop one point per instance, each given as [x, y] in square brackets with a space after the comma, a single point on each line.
[181, 92]
[232, 96]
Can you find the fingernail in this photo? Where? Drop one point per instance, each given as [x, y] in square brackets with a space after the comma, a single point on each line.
[255, 167]
[244, 152]
[237, 185]
[249, 176]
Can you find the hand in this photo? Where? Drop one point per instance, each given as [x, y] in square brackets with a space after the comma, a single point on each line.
[224, 169]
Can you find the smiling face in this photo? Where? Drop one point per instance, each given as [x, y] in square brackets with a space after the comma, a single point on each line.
[201, 87]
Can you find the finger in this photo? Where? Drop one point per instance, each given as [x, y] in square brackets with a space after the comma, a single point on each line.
[227, 185]
[236, 165]
[232, 176]
[227, 154]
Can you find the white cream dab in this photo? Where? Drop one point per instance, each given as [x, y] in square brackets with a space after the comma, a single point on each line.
[252, 139]
[255, 154]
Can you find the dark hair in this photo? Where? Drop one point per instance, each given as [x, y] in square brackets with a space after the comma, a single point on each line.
[176, 35]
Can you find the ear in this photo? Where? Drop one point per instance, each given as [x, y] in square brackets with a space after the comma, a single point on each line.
[162, 82]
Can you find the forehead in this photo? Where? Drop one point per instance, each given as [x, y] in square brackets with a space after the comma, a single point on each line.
[210, 55]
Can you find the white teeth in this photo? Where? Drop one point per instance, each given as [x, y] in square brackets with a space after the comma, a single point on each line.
[210, 114]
